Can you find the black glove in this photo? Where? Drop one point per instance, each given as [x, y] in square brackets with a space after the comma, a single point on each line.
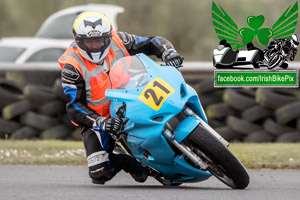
[109, 125]
[172, 58]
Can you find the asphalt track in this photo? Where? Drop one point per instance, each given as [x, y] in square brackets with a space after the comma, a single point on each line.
[72, 183]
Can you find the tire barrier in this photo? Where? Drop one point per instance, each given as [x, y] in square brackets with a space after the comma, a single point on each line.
[34, 111]
[32, 76]
[251, 114]
[37, 111]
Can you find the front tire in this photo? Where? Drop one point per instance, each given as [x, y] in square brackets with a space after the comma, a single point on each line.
[221, 162]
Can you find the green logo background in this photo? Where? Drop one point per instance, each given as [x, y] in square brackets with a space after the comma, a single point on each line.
[227, 29]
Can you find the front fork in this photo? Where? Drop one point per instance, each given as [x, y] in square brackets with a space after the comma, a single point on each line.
[185, 150]
[194, 158]
[189, 112]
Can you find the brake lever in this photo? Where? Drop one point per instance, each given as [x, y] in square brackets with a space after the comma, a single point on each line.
[120, 112]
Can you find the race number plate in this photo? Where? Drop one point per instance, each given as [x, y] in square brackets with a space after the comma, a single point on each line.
[155, 93]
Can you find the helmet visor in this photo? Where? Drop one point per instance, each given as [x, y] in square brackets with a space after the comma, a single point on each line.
[93, 44]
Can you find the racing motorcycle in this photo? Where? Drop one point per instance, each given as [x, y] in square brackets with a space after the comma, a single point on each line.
[277, 55]
[165, 126]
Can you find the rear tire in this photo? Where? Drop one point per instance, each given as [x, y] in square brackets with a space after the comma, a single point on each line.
[222, 163]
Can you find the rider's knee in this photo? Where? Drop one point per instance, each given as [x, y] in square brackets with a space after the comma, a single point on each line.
[101, 173]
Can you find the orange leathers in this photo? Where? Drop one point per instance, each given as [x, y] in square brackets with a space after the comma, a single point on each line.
[96, 80]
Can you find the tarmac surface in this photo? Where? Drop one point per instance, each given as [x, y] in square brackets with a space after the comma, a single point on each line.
[72, 183]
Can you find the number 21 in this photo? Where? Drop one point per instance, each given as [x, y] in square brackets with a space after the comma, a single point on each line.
[151, 92]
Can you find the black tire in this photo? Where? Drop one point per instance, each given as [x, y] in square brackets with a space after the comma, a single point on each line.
[39, 94]
[272, 99]
[274, 128]
[298, 125]
[288, 113]
[238, 99]
[208, 99]
[8, 127]
[219, 110]
[11, 86]
[205, 86]
[290, 137]
[256, 113]
[9, 92]
[56, 132]
[250, 92]
[242, 126]
[222, 163]
[275, 60]
[215, 123]
[259, 137]
[24, 133]
[228, 134]
[15, 109]
[38, 121]
[35, 77]
[288, 91]
[53, 108]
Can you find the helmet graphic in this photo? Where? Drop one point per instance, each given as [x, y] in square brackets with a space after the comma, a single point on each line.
[295, 40]
[92, 34]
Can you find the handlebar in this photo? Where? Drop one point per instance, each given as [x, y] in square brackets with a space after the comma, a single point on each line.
[120, 112]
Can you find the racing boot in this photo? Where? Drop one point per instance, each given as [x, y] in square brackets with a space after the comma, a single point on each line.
[130, 165]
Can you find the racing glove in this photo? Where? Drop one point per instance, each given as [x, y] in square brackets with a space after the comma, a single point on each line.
[109, 125]
[172, 58]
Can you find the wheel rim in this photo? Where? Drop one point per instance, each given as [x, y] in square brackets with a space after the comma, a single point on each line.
[217, 170]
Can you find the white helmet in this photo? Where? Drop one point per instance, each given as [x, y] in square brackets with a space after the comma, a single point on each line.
[92, 34]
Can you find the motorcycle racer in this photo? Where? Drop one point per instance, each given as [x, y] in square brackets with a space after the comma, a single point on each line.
[85, 77]
[279, 51]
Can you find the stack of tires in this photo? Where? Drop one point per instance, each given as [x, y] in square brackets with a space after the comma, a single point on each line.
[34, 112]
[252, 115]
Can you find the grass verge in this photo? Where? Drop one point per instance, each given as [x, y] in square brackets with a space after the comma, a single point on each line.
[255, 156]
[51, 152]
[268, 155]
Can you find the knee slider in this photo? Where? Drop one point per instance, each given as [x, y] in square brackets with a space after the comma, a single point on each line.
[101, 172]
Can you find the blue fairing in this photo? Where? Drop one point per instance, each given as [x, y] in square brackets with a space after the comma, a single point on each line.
[146, 122]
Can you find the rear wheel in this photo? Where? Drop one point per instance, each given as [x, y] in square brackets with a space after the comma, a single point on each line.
[221, 162]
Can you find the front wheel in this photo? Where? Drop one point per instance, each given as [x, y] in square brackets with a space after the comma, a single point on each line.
[221, 162]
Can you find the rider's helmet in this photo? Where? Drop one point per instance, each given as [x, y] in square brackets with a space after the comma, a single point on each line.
[92, 34]
[295, 40]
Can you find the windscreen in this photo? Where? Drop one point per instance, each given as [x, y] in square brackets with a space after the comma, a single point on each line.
[10, 54]
[127, 73]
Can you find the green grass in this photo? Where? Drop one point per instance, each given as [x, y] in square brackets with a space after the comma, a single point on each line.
[52, 152]
[255, 156]
[268, 155]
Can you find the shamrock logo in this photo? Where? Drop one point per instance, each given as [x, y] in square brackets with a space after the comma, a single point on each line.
[248, 34]
[227, 29]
